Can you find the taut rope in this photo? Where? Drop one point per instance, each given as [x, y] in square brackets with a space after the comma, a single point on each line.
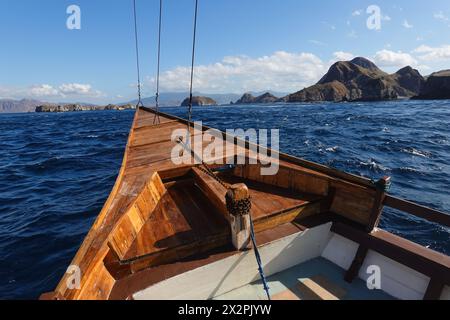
[156, 120]
[136, 38]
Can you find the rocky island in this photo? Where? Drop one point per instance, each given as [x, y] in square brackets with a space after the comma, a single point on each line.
[79, 108]
[361, 80]
[437, 86]
[248, 98]
[199, 101]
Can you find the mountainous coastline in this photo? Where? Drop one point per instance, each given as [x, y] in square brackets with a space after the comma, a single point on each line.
[437, 86]
[79, 108]
[356, 80]
[24, 105]
[361, 80]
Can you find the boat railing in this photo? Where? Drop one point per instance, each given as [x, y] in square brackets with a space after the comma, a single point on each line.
[417, 210]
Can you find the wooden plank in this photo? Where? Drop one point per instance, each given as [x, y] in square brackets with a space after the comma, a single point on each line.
[356, 265]
[419, 211]
[320, 288]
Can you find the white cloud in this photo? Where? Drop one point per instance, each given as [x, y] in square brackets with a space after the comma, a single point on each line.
[343, 56]
[317, 42]
[386, 18]
[352, 34]
[441, 16]
[281, 71]
[407, 25]
[43, 90]
[331, 26]
[433, 54]
[50, 92]
[387, 58]
[357, 13]
[78, 89]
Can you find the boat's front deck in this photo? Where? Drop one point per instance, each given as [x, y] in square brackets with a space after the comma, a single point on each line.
[187, 222]
[317, 279]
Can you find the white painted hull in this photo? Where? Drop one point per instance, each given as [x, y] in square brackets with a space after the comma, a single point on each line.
[224, 276]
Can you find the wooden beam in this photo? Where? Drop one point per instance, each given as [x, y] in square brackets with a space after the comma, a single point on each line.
[378, 203]
[412, 255]
[434, 290]
[357, 263]
[418, 210]
[328, 201]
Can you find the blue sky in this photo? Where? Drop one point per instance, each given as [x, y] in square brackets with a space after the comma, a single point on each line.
[243, 45]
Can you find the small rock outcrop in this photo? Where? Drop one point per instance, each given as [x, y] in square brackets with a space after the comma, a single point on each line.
[436, 87]
[199, 101]
[264, 98]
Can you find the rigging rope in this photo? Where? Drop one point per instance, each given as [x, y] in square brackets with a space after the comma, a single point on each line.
[136, 38]
[156, 120]
[192, 74]
[207, 170]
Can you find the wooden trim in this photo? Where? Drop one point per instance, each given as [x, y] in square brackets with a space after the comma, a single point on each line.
[328, 201]
[378, 203]
[412, 255]
[434, 289]
[418, 210]
[61, 289]
[357, 263]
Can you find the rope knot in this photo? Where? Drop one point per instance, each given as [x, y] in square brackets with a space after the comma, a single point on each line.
[238, 200]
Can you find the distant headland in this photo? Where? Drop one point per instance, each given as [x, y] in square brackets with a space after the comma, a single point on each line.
[346, 81]
[79, 108]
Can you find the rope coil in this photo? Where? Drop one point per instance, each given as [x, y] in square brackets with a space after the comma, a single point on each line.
[239, 207]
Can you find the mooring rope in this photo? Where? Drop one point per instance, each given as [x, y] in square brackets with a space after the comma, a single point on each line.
[157, 120]
[258, 259]
[136, 38]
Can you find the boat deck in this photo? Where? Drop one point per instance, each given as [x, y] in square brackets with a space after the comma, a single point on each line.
[164, 219]
[317, 279]
[186, 217]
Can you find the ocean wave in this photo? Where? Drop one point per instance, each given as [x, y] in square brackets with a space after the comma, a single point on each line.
[416, 152]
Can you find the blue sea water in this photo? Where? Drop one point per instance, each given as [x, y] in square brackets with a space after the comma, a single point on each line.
[56, 171]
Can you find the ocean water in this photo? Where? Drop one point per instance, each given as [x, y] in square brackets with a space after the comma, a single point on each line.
[56, 171]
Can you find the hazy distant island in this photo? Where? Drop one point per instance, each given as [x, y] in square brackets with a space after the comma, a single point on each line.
[346, 81]
[78, 108]
[199, 101]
